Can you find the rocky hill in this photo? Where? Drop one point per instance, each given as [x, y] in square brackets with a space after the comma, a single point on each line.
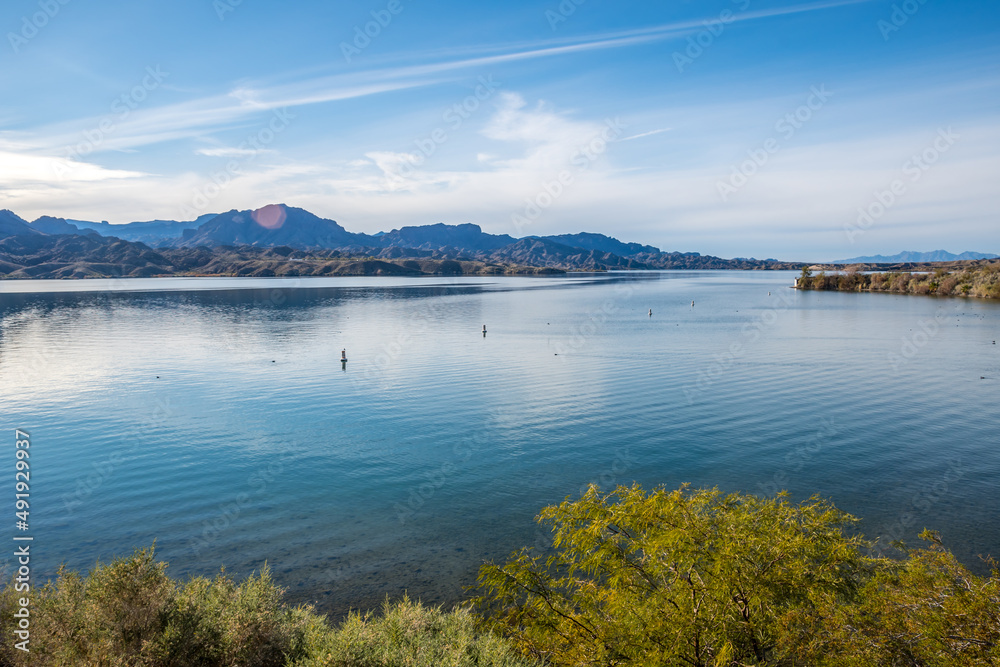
[542, 252]
[92, 256]
[270, 226]
[12, 224]
[234, 241]
[466, 237]
[590, 241]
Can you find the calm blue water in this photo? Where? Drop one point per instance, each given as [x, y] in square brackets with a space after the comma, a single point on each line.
[213, 415]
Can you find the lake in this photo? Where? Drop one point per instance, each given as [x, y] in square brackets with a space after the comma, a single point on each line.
[213, 415]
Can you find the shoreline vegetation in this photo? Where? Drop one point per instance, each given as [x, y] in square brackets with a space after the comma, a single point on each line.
[980, 279]
[666, 577]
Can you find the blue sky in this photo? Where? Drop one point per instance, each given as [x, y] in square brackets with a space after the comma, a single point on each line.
[790, 129]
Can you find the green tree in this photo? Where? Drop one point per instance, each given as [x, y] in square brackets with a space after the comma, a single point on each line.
[685, 577]
[925, 611]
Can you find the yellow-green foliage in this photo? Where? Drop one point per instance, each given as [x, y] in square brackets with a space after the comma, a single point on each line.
[409, 634]
[926, 610]
[129, 613]
[691, 578]
[978, 281]
[698, 578]
[681, 577]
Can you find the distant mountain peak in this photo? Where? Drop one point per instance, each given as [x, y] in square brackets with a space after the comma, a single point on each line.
[603, 243]
[11, 224]
[271, 226]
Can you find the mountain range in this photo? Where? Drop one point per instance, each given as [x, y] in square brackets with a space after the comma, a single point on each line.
[153, 232]
[163, 247]
[912, 256]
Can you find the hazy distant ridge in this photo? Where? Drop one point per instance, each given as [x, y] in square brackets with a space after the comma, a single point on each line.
[913, 256]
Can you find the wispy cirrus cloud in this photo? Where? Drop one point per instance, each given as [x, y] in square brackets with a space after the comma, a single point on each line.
[192, 118]
[647, 134]
[231, 151]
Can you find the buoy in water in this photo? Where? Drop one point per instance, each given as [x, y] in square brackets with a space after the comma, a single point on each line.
[343, 356]
[650, 312]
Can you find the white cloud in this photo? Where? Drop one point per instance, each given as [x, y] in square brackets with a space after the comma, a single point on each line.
[24, 168]
[801, 198]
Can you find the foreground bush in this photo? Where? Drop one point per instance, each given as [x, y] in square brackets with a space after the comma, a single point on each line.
[129, 613]
[703, 579]
[411, 635]
[688, 577]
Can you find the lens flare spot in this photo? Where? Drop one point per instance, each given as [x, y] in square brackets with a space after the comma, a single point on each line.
[271, 216]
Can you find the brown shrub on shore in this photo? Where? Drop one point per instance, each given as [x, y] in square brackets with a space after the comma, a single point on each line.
[982, 281]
